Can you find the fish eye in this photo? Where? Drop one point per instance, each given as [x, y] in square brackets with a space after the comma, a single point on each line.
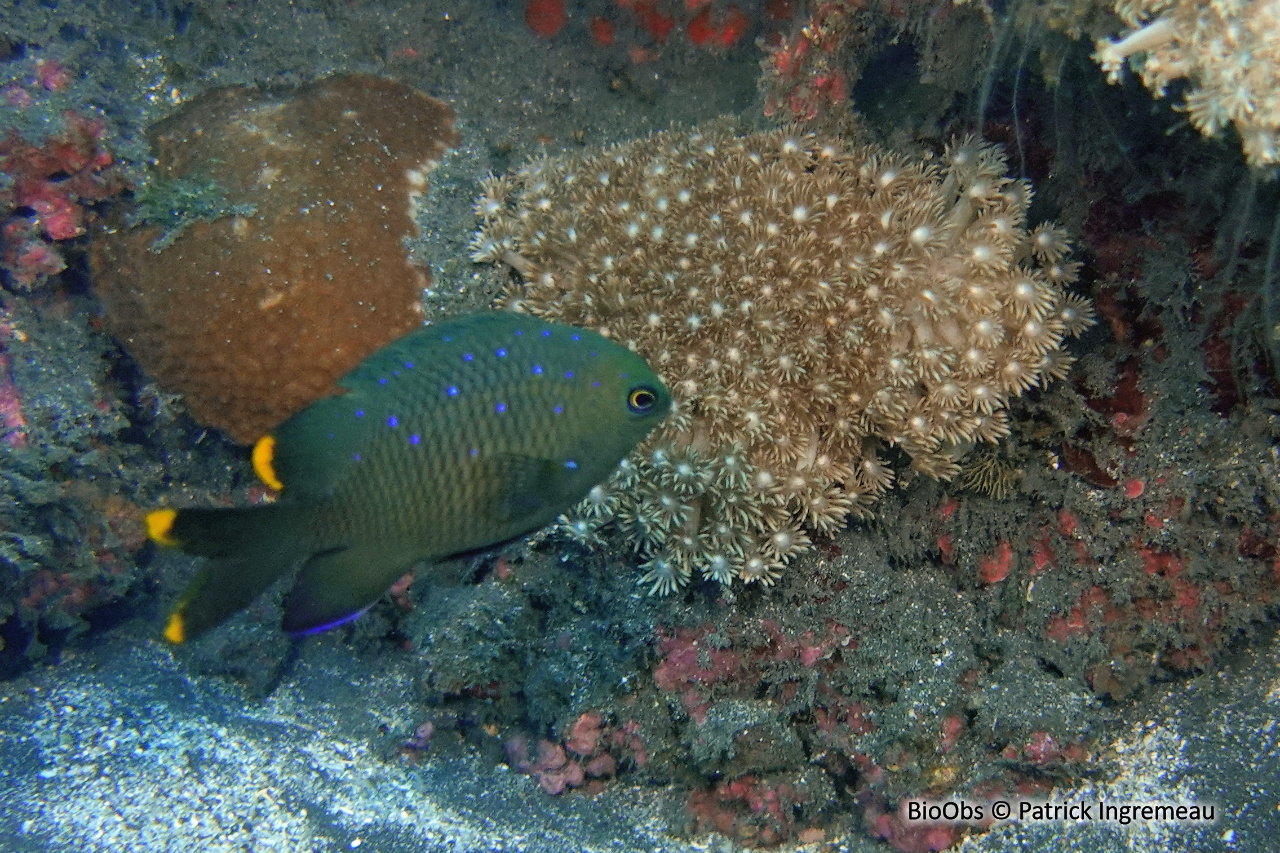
[642, 399]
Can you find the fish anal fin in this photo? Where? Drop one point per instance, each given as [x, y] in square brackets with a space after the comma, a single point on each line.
[333, 587]
[221, 588]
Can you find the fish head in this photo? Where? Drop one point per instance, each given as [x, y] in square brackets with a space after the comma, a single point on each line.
[621, 401]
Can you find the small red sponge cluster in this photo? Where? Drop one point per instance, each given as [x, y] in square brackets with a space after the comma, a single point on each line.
[49, 184]
[650, 23]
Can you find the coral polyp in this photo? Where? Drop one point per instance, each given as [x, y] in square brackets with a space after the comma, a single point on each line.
[810, 304]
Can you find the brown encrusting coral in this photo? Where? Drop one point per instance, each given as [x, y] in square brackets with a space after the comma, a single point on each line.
[808, 304]
[289, 267]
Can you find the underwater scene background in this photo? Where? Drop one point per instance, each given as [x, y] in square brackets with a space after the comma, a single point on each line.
[969, 493]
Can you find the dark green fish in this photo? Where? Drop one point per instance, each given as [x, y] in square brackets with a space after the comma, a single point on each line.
[455, 437]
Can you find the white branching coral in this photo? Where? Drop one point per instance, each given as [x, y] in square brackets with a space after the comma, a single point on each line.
[1228, 49]
[807, 304]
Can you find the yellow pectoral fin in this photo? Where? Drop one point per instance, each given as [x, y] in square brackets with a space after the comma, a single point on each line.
[263, 456]
[159, 523]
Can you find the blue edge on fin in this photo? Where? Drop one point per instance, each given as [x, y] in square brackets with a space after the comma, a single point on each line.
[328, 626]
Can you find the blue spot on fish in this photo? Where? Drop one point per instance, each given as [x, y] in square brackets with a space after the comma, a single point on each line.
[559, 410]
[415, 438]
[546, 333]
[537, 370]
[452, 390]
[519, 332]
[409, 365]
[595, 384]
[466, 356]
[382, 381]
[356, 456]
[393, 421]
[501, 353]
[568, 374]
[475, 452]
[359, 413]
[500, 408]
[575, 337]
[571, 465]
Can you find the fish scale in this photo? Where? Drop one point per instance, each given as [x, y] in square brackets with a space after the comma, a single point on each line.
[453, 438]
[483, 383]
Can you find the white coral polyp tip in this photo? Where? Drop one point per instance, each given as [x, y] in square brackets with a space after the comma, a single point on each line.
[720, 569]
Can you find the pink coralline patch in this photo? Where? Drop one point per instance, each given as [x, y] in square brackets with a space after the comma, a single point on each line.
[591, 750]
[1043, 749]
[952, 727]
[804, 78]
[1156, 562]
[584, 734]
[26, 255]
[751, 809]
[601, 766]
[712, 33]
[699, 671]
[399, 591]
[16, 96]
[683, 658]
[13, 425]
[948, 509]
[906, 837]
[995, 567]
[1041, 554]
[62, 590]
[839, 722]
[946, 547]
[1062, 628]
[59, 217]
[807, 649]
[552, 769]
[51, 184]
[1067, 522]
[53, 75]
[627, 742]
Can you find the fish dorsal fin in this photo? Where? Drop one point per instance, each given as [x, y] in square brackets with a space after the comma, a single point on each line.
[404, 353]
[440, 342]
[307, 454]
